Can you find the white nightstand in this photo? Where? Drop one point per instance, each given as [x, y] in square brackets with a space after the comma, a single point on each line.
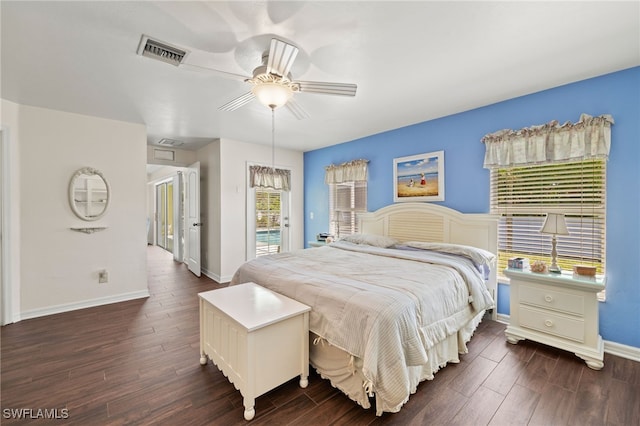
[559, 310]
[258, 339]
[316, 243]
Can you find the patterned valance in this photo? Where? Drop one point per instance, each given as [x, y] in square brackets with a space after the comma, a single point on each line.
[355, 170]
[590, 137]
[269, 177]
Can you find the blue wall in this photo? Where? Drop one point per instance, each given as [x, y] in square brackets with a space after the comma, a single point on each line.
[467, 182]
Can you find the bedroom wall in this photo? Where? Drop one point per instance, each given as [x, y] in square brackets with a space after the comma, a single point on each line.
[58, 268]
[224, 175]
[467, 182]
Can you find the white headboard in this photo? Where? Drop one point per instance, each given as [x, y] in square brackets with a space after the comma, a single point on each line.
[432, 222]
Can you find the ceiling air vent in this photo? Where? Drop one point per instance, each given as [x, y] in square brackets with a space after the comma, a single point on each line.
[170, 142]
[161, 51]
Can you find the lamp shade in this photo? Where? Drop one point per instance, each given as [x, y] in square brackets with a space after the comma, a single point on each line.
[273, 95]
[554, 224]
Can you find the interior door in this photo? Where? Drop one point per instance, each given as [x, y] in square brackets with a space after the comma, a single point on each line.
[192, 213]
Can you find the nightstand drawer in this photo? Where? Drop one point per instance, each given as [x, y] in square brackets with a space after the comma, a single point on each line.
[551, 299]
[550, 323]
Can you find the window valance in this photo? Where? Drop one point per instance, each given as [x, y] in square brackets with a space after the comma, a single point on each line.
[355, 170]
[590, 137]
[269, 177]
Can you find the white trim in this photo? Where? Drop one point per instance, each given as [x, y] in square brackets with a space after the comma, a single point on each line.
[5, 268]
[215, 277]
[50, 310]
[503, 318]
[623, 351]
[10, 287]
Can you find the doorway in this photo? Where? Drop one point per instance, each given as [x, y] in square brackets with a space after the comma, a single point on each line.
[165, 215]
[166, 209]
[173, 212]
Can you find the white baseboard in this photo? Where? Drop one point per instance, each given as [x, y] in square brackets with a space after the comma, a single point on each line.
[504, 319]
[623, 351]
[217, 278]
[50, 310]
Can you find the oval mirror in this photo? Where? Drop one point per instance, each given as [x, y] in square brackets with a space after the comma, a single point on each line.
[89, 194]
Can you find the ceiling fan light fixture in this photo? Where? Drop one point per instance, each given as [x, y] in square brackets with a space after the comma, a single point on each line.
[272, 94]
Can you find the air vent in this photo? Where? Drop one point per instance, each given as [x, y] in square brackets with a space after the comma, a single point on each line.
[161, 51]
[170, 142]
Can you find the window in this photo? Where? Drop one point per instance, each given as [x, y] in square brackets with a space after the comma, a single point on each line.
[523, 195]
[347, 195]
[346, 200]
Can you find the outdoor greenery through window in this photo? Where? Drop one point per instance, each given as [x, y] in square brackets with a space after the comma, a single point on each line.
[267, 221]
[522, 196]
[346, 200]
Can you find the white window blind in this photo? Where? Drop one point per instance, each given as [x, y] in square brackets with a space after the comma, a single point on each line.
[522, 196]
[346, 200]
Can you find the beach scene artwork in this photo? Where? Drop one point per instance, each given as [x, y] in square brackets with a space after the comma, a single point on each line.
[419, 177]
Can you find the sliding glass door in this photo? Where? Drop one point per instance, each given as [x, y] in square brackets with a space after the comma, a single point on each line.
[164, 215]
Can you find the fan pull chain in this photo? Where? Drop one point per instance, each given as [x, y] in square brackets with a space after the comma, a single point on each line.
[273, 138]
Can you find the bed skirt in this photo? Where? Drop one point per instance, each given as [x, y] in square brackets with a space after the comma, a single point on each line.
[345, 371]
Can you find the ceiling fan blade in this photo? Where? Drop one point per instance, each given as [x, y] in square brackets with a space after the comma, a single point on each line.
[238, 102]
[281, 57]
[214, 71]
[295, 109]
[340, 89]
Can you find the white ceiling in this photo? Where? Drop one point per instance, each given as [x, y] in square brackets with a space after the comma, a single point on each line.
[412, 61]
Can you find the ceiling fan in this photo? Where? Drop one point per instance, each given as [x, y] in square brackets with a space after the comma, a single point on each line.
[273, 85]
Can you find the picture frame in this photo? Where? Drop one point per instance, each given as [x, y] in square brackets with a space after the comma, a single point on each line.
[419, 177]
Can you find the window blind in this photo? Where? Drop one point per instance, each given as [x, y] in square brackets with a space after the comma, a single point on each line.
[522, 196]
[346, 200]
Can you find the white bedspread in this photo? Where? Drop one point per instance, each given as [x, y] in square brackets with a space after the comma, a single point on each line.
[385, 306]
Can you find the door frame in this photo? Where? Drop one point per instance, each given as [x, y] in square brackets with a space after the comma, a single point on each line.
[285, 214]
[10, 230]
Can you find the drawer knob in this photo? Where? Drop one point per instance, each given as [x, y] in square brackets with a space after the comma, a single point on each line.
[548, 323]
[548, 298]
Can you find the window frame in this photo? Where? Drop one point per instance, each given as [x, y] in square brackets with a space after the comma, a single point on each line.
[551, 188]
[356, 202]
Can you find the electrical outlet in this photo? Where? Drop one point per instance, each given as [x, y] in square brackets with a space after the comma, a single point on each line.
[103, 276]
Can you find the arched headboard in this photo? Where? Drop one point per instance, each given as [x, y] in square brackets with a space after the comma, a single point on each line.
[433, 222]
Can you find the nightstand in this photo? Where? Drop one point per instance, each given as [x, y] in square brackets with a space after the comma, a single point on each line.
[559, 310]
[316, 243]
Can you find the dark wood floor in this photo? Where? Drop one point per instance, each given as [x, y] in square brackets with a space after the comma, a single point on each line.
[137, 363]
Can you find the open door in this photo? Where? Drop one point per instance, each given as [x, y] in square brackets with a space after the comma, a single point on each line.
[192, 213]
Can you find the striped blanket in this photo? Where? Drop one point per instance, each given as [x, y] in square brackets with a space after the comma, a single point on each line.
[384, 306]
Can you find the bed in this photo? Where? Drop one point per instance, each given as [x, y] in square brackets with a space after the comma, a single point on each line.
[393, 304]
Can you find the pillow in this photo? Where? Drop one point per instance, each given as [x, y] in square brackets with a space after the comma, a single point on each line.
[477, 255]
[370, 240]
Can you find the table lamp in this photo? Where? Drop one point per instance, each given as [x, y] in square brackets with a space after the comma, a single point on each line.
[554, 224]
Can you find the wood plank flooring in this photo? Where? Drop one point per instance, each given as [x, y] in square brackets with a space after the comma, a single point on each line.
[136, 362]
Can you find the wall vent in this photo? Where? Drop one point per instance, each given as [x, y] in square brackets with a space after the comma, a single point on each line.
[161, 51]
[170, 142]
[164, 154]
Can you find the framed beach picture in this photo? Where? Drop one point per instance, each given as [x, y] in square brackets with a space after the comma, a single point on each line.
[419, 177]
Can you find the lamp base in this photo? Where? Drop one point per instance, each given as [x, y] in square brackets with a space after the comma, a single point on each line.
[555, 269]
